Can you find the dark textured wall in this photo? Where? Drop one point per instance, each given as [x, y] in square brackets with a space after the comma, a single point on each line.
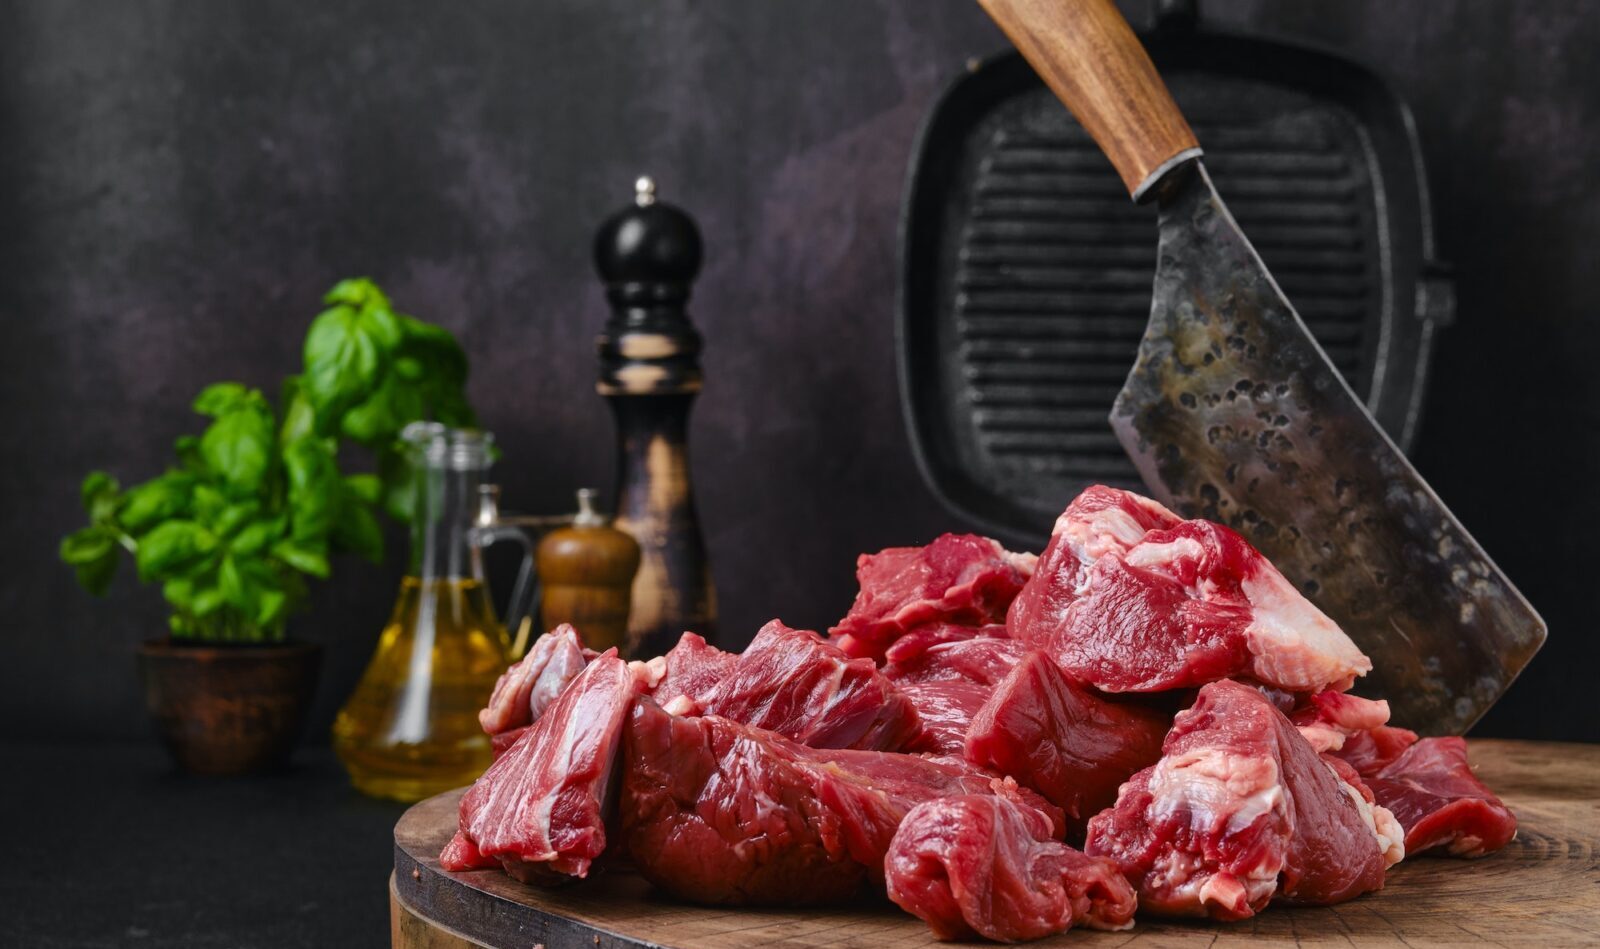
[179, 183]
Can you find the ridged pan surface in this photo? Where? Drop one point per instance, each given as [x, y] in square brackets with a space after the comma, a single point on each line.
[1027, 272]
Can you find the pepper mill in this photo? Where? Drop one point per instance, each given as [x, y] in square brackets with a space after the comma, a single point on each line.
[586, 572]
[648, 254]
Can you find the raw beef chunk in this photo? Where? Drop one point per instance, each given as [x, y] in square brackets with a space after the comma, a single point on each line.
[1432, 791]
[948, 683]
[502, 742]
[923, 638]
[1129, 598]
[1386, 830]
[1353, 729]
[1240, 809]
[1371, 751]
[792, 682]
[721, 813]
[1329, 719]
[1062, 739]
[689, 670]
[959, 578]
[540, 808]
[527, 688]
[980, 865]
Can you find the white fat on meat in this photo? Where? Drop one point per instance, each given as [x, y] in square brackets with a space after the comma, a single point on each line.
[1213, 787]
[649, 672]
[565, 663]
[681, 705]
[1391, 837]
[1322, 737]
[1023, 563]
[1342, 716]
[1293, 644]
[1111, 530]
[1152, 556]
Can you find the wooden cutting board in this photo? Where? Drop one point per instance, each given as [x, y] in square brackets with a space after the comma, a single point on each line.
[1542, 890]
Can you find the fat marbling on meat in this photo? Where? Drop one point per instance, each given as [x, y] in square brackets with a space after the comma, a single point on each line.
[540, 810]
[1128, 597]
[962, 579]
[792, 682]
[1241, 810]
[531, 684]
[1353, 729]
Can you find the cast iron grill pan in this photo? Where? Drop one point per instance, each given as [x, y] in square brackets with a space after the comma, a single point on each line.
[1026, 272]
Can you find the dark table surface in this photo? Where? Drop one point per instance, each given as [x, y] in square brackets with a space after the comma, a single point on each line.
[107, 845]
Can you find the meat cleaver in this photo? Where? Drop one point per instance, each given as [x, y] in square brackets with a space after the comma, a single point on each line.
[1234, 413]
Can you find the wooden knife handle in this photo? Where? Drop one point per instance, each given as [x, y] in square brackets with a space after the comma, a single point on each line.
[1086, 52]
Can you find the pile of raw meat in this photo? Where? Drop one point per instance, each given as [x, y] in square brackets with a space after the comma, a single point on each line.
[1147, 716]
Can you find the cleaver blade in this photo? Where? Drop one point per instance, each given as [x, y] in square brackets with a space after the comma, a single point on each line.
[1234, 413]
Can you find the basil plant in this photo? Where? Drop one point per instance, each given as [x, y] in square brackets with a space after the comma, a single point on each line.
[256, 503]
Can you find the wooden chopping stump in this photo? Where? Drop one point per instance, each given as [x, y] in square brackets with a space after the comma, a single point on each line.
[1542, 890]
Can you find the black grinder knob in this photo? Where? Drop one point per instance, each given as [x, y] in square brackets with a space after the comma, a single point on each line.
[648, 255]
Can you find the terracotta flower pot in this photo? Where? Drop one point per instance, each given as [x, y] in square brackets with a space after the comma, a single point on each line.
[228, 709]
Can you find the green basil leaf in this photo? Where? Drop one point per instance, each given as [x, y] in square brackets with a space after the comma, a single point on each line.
[208, 503]
[92, 553]
[257, 536]
[270, 591]
[271, 606]
[179, 592]
[99, 494]
[435, 349]
[234, 517]
[356, 292]
[303, 557]
[380, 418]
[187, 448]
[207, 600]
[159, 499]
[409, 368]
[348, 349]
[238, 446]
[343, 364]
[367, 487]
[221, 398]
[440, 372]
[357, 531]
[299, 419]
[230, 580]
[313, 475]
[87, 545]
[173, 547]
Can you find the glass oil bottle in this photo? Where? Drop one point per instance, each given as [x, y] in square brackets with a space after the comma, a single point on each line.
[410, 730]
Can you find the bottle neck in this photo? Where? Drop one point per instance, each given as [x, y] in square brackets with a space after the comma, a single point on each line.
[446, 505]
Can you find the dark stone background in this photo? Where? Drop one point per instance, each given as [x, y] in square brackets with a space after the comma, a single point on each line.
[180, 182]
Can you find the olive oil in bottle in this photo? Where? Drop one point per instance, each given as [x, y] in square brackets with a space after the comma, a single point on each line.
[410, 730]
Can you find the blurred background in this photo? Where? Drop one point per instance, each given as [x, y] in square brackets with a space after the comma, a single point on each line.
[179, 184]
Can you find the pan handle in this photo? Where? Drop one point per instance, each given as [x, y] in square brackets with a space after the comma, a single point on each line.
[1086, 52]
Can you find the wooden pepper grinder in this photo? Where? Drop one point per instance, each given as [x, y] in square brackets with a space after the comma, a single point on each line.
[648, 255]
[586, 571]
